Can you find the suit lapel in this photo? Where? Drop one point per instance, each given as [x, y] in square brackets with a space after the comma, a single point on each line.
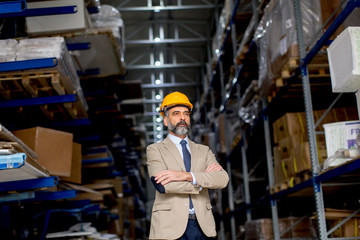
[173, 150]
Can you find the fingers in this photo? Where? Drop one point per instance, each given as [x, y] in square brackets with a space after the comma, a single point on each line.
[215, 167]
[167, 176]
[163, 177]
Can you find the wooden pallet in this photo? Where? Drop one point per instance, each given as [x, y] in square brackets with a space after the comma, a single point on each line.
[290, 182]
[35, 84]
[318, 67]
[28, 84]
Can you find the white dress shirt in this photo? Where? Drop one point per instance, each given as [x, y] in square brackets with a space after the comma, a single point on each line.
[176, 140]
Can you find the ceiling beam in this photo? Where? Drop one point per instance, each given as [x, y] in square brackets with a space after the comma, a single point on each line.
[166, 41]
[165, 8]
[170, 85]
[164, 66]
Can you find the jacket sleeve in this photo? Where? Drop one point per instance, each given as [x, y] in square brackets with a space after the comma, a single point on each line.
[211, 180]
[156, 163]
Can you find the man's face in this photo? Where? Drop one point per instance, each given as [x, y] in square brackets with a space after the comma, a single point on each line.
[178, 121]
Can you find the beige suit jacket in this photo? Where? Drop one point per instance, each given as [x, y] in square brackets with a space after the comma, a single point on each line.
[170, 211]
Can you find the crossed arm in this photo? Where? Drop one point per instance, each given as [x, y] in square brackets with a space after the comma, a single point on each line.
[177, 181]
[165, 176]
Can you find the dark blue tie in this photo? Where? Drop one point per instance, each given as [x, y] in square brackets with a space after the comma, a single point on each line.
[187, 162]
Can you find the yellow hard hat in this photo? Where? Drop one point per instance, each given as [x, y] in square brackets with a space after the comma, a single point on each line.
[174, 99]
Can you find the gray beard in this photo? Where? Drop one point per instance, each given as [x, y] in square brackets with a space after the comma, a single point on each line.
[178, 130]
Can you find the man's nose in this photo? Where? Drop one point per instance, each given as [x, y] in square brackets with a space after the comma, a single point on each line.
[182, 116]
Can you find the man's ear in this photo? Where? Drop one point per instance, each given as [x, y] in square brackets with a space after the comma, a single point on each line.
[165, 121]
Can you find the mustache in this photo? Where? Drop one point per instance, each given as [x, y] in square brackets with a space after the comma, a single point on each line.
[181, 123]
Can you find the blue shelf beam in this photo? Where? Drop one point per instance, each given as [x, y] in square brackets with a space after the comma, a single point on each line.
[38, 101]
[323, 177]
[95, 150]
[28, 184]
[28, 64]
[12, 6]
[16, 197]
[69, 123]
[48, 196]
[89, 72]
[96, 161]
[78, 46]
[338, 171]
[33, 12]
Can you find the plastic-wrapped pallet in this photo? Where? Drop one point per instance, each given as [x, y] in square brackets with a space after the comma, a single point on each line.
[107, 37]
[277, 35]
[58, 80]
[109, 17]
[8, 50]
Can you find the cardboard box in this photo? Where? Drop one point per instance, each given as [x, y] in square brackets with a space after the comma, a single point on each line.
[348, 229]
[291, 124]
[288, 125]
[259, 229]
[75, 175]
[303, 229]
[289, 167]
[301, 157]
[279, 174]
[57, 23]
[286, 145]
[53, 147]
[344, 61]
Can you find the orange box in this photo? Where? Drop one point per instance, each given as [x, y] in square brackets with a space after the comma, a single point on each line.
[75, 175]
[53, 147]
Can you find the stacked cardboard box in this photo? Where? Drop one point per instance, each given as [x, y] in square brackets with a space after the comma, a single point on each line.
[297, 228]
[291, 151]
[259, 229]
[350, 229]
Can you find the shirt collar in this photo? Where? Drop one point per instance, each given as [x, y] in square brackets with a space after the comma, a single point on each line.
[176, 139]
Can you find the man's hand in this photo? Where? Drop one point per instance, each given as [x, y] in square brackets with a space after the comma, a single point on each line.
[167, 176]
[215, 167]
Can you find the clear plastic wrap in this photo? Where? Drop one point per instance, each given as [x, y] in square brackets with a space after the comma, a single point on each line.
[8, 50]
[219, 35]
[249, 114]
[35, 48]
[55, 47]
[264, 81]
[341, 156]
[277, 38]
[109, 17]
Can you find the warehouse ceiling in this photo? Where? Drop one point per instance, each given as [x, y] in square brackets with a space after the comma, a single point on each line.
[168, 44]
[166, 48]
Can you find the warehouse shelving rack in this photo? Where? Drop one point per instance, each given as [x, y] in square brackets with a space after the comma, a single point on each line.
[317, 178]
[16, 9]
[218, 75]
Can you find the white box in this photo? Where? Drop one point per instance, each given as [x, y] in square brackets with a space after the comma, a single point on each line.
[344, 61]
[341, 135]
[56, 23]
